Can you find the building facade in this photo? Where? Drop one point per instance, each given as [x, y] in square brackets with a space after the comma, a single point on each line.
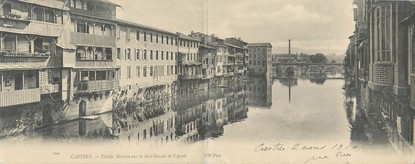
[380, 54]
[260, 58]
[64, 60]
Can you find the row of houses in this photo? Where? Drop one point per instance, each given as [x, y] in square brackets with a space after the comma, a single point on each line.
[66, 59]
[382, 56]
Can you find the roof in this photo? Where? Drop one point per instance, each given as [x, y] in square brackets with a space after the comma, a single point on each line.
[260, 45]
[238, 39]
[183, 36]
[231, 45]
[128, 23]
[206, 46]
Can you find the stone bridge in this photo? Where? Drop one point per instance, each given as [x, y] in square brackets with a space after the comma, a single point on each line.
[290, 68]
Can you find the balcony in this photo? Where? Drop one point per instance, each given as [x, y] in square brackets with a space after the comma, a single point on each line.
[91, 13]
[95, 86]
[12, 60]
[17, 25]
[48, 3]
[95, 64]
[190, 63]
[189, 77]
[19, 97]
[92, 40]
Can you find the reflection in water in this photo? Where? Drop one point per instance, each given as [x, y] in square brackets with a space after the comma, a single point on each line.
[323, 112]
[260, 93]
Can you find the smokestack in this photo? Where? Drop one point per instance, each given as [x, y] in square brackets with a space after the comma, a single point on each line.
[289, 50]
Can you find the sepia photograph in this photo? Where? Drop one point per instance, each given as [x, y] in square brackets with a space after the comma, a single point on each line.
[207, 81]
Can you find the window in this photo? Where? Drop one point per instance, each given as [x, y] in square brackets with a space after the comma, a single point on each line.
[151, 37]
[91, 75]
[172, 56]
[128, 72]
[50, 16]
[151, 71]
[138, 71]
[157, 38]
[167, 55]
[128, 54]
[383, 32]
[157, 55]
[144, 71]
[145, 55]
[138, 54]
[145, 36]
[151, 54]
[171, 40]
[167, 40]
[103, 28]
[162, 55]
[118, 53]
[10, 43]
[38, 14]
[138, 35]
[82, 28]
[171, 69]
[7, 9]
[162, 39]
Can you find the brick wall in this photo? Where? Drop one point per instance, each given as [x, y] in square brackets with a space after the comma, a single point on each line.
[382, 74]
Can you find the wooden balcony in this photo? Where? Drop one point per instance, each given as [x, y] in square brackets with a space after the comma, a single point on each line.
[27, 26]
[92, 40]
[22, 62]
[95, 64]
[19, 97]
[96, 86]
[96, 14]
[48, 3]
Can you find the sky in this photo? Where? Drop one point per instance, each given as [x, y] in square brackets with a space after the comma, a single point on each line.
[312, 25]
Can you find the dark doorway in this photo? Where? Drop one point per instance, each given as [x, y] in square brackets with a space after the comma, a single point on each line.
[82, 108]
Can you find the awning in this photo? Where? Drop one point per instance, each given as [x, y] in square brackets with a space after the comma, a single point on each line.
[22, 67]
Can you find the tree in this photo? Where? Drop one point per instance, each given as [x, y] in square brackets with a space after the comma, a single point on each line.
[318, 58]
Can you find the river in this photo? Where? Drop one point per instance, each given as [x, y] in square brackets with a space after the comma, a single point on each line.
[286, 120]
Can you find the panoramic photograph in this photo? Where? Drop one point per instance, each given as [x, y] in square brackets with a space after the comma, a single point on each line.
[207, 81]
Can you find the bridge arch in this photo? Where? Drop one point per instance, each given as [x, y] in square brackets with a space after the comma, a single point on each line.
[336, 67]
[287, 70]
[312, 66]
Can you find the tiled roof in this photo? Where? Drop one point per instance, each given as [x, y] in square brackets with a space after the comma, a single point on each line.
[128, 23]
[260, 45]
